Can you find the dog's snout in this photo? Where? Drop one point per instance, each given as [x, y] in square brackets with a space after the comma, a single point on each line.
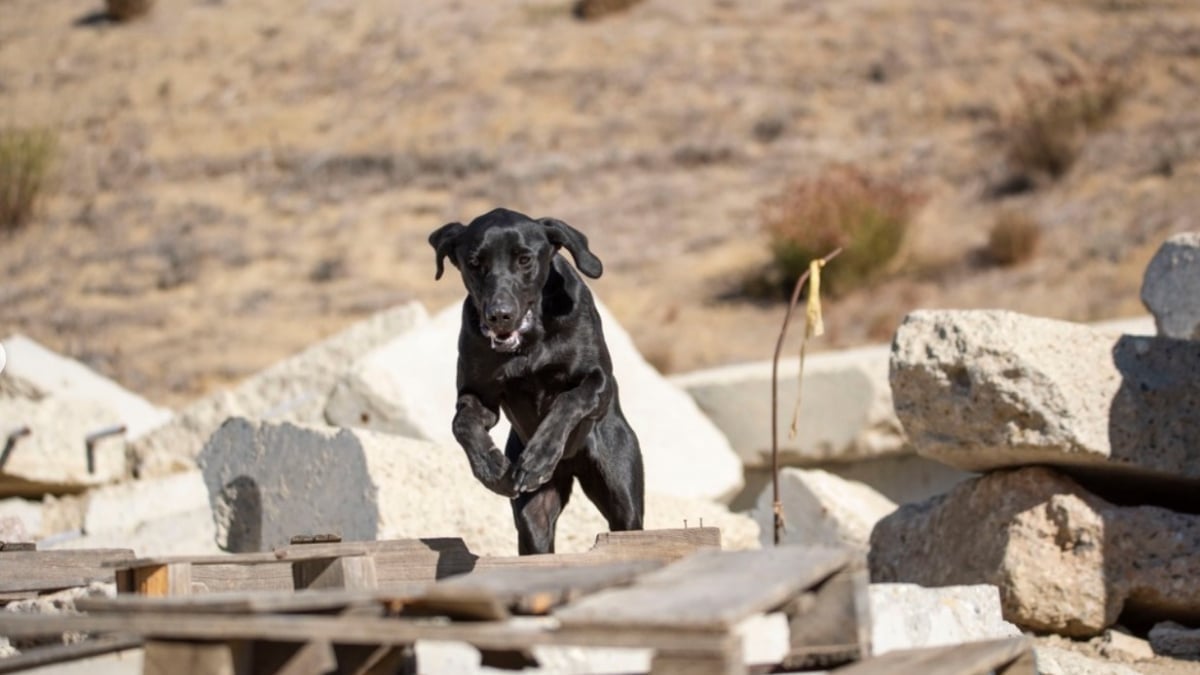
[500, 315]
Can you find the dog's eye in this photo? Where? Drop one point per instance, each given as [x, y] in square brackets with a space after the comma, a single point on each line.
[524, 260]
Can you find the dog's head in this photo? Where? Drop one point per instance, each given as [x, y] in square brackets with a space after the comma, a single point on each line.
[505, 259]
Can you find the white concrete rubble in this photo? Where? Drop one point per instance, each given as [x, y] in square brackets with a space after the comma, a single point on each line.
[846, 412]
[408, 387]
[268, 482]
[35, 372]
[908, 616]
[295, 389]
[53, 457]
[821, 508]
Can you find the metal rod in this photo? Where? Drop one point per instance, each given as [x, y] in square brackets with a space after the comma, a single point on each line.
[777, 506]
[96, 436]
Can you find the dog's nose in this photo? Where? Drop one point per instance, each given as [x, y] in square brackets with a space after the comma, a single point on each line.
[499, 315]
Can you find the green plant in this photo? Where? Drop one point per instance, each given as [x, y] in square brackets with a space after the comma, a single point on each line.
[843, 207]
[26, 157]
[1047, 132]
[1013, 239]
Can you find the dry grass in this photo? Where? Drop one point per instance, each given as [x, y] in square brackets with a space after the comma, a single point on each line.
[1013, 239]
[26, 158]
[1046, 133]
[843, 207]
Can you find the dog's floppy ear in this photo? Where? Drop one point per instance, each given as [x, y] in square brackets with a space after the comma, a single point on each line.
[564, 236]
[442, 240]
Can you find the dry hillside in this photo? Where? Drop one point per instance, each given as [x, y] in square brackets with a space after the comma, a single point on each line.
[239, 178]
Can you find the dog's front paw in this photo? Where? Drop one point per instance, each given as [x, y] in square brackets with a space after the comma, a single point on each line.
[492, 469]
[535, 467]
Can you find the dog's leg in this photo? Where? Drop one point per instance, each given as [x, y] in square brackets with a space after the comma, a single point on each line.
[542, 453]
[536, 513]
[611, 475]
[471, 424]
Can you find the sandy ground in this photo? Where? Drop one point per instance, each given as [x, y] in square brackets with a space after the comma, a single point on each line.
[238, 179]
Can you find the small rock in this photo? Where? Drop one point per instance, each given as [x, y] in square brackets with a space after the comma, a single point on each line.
[908, 616]
[1124, 647]
[1169, 287]
[1172, 639]
[821, 508]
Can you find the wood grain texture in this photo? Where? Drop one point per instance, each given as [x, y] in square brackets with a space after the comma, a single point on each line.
[831, 625]
[972, 658]
[46, 656]
[711, 590]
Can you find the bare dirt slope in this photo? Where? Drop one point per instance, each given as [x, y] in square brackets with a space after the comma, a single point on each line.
[238, 179]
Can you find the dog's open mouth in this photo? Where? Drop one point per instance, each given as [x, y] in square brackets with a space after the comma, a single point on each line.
[509, 342]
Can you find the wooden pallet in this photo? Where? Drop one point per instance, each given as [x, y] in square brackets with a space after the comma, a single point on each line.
[348, 605]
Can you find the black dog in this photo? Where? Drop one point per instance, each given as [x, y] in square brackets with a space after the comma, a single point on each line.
[531, 345]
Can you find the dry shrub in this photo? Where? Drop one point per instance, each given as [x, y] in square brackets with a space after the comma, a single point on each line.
[125, 10]
[1013, 240]
[595, 9]
[26, 157]
[845, 207]
[1046, 133]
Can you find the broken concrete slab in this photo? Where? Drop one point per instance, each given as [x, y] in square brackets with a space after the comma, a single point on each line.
[821, 508]
[295, 389]
[1058, 661]
[127, 506]
[1169, 287]
[1121, 646]
[407, 387]
[269, 481]
[908, 616]
[1173, 639]
[846, 416]
[53, 457]
[34, 372]
[982, 390]
[1065, 560]
[27, 516]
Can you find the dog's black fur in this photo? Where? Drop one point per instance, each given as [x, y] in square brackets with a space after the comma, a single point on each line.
[531, 345]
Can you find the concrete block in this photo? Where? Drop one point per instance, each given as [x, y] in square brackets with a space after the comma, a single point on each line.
[53, 457]
[407, 387]
[34, 372]
[1169, 287]
[846, 413]
[983, 390]
[908, 616]
[127, 506]
[268, 481]
[821, 508]
[295, 389]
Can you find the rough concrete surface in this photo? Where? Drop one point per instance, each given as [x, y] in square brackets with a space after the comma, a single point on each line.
[295, 389]
[846, 413]
[990, 389]
[53, 457]
[32, 371]
[270, 481]
[821, 508]
[908, 616]
[1065, 561]
[408, 387]
[1169, 288]
[1056, 661]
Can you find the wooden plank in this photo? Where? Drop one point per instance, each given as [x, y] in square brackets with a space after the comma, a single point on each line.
[262, 602]
[515, 589]
[315, 539]
[348, 548]
[657, 544]
[219, 578]
[12, 546]
[158, 581]
[352, 573]
[209, 559]
[288, 658]
[52, 570]
[830, 625]
[50, 655]
[516, 633]
[971, 658]
[710, 590]
[170, 657]
[374, 660]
